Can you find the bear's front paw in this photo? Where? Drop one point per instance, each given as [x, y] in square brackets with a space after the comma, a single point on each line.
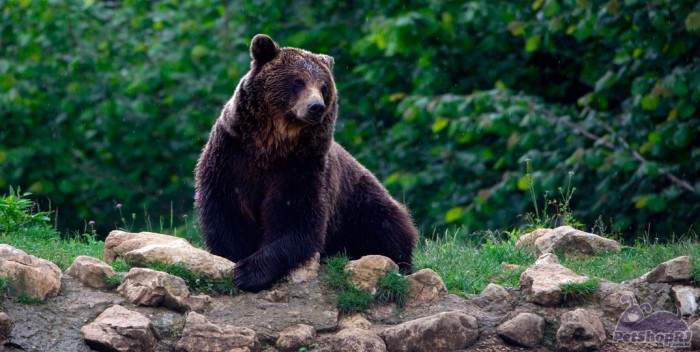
[248, 277]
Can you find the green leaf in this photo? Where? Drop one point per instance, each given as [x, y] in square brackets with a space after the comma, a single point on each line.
[453, 214]
[650, 102]
[532, 44]
[524, 183]
[551, 8]
[692, 22]
[440, 124]
[516, 28]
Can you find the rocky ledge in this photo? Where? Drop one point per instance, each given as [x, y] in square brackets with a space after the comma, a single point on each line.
[152, 310]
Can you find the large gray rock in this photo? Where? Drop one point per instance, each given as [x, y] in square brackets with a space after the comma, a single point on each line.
[295, 337]
[425, 287]
[441, 332]
[119, 329]
[91, 271]
[366, 271]
[200, 334]
[574, 243]
[540, 282]
[153, 288]
[29, 275]
[144, 248]
[580, 330]
[674, 270]
[526, 329]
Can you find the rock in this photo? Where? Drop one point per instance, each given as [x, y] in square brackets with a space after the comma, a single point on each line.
[547, 258]
[200, 334]
[153, 288]
[614, 303]
[496, 292]
[685, 299]
[198, 303]
[574, 243]
[441, 332]
[91, 271]
[540, 283]
[295, 337]
[356, 321]
[526, 329]
[29, 275]
[356, 340]
[6, 326]
[425, 287]
[146, 248]
[695, 340]
[275, 296]
[119, 329]
[306, 272]
[527, 241]
[580, 330]
[674, 270]
[366, 271]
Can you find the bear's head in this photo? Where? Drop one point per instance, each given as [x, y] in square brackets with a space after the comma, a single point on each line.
[295, 87]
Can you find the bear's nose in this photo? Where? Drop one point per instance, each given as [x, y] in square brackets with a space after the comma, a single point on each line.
[316, 109]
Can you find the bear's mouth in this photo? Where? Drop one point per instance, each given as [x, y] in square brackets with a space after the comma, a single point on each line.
[308, 120]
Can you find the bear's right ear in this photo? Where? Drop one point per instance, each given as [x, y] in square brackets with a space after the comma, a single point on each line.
[263, 49]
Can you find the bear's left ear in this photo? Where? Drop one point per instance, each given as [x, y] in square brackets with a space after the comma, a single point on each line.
[263, 49]
[328, 60]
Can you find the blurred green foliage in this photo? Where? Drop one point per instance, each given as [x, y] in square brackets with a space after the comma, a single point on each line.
[106, 102]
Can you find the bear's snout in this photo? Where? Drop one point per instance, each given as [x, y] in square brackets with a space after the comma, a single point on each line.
[316, 110]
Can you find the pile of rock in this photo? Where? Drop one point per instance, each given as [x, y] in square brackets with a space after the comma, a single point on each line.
[152, 310]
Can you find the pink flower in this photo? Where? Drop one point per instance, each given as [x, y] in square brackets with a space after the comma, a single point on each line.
[119, 206]
[91, 222]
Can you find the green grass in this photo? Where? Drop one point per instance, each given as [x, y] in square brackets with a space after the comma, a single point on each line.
[392, 287]
[466, 267]
[43, 241]
[24, 299]
[579, 291]
[113, 281]
[632, 262]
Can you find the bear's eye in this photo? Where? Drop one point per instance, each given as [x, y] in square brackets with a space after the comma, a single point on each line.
[324, 90]
[298, 82]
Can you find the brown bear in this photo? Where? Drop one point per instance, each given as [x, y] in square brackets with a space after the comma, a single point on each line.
[274, 187]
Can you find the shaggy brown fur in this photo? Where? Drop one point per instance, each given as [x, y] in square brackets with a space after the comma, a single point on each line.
[273, 185]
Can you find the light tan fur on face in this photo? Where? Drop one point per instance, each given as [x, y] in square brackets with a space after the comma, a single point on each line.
[308, 96]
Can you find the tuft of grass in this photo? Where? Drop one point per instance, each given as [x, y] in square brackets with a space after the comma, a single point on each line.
[197, 282]
[392, 287]
[334, 274]
[24, 299]
[120, 265]
[4, 284]
[113, 281]
[579, 291]
[696, 269]
[351, 299]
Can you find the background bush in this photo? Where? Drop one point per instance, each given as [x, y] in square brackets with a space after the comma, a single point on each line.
[107, 102]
